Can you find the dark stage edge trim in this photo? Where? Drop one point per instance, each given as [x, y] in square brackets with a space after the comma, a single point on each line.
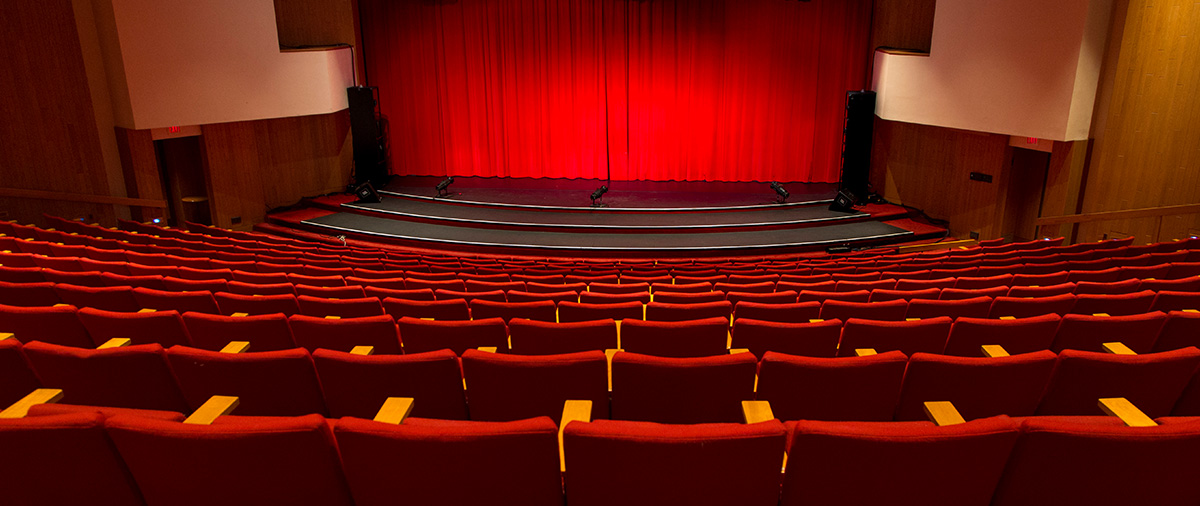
[522, 218]
[611, 209]
[848, 233]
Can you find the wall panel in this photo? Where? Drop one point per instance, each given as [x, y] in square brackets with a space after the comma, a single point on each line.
[903, 24]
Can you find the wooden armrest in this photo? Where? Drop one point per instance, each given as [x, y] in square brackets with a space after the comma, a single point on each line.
[240, 315]
[116, 342]
[147, 310]
[816, 320]
[573, 411]
[363, 350]
[331, 317]
[757, 411]
[1008, 317]
[236, 347]
[1117, 349]
[1120, 407]
[865, 352]
[1191, 310]
[40, 396]
[993, 351]
[7, 335]
[736, 351]
[943, 413]
[487, 349]
[609, 353]
[1104, 315]
[394, 410]
[215, 406]
[428, 319]
[61, 305]
[912, 319]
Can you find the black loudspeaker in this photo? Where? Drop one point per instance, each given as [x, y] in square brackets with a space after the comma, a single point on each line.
[856, 142]
[366, 194]
[844, 201]
[370, 152]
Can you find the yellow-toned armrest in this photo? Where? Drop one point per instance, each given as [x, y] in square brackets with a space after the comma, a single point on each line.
[240, 315]
[865, 352]
[1120, 407]
[573, 411]
[116, 342]
[487, 349]
[609, 353]
[215, 406]
[40, 396]
[363, 350]
[7, 335]
[236, 347]
[994, 351]
[333, 317]
[395, 410]
[1105, 315]
[816, 320]
[736, 351]
[912, 319]
[757, 411]
[147, 310]
[1008, 317]
[1191, 310]
[1117, 349]
[943, 413]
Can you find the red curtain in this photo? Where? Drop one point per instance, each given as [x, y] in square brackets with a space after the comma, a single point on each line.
[697, 90]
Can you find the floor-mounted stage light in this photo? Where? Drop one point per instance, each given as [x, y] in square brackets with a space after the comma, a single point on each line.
[597, 195]
[779, 190]
[366, 194]
[441, 187]
[844, 201]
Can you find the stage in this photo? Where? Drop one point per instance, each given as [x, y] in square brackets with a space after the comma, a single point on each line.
[553, 217]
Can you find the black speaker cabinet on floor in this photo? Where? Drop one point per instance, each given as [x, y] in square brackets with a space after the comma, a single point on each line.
[856, 142]
[370, 153]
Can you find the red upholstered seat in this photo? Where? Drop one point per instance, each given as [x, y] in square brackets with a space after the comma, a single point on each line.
[543, 310]
[269, 383]
[1089, 333]
[923, 284]
[343, 334]
[1033, 306]
[1189, 284]
[1152, 382]
[670, 297]
[972, 293]
[619, 287]
[979, 387]
[382, 293]
[1168, 300]
[358, 385]
[977, 307]
[256, 305]
[581, 312]
[784, 297]
[1114, 304]
[1104, 275]
[613, 298]
[452, 463]
[345, 308]
[260, 278]
[57, 325]
[90, 278]
[63, 459]
[664, 312]
[815, 286]
[264, 332]
[16, 376]
[493, 295]
[763, 287]
[557, 297]
[853, 286]
[813, 339]
[1022, 335]
[107, 411]
[304, 279]
[1061, 461]
[848, 388]
[200, 302]
[680, 287]
[639, 463]
[909, 295]
[810, 295]
[892, 310]
[458, 336]
[127, 377]
[258, 460]
[973, 283]
[161, 327]
[1182, 329]
[446, 284]
[331, 292]
[532, 337]
[28, 294]
[688, 338]
[857, 463]
[535, 287]
[514, 387]
[1041, 291]
[489, 286]
[800, 312]
[681, 390]
[438, 310]
[928, 336]
[111, 298]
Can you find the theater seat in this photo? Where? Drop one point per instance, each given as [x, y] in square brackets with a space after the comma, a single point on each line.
[800, 312]
[200, 302]
[892, 310]
[813, 339]
[1019, 335]
[161, 327]
[344, 334]
[56, 325]
[581, 312]
[28, 294]
[681, 390]
[268, 383]
[1089, 333]
[231, 303]
[689, 338]
[1115, 305]
[532, 337]
[438, 310]
[670, 297]
[663, 312]
[126, 377]
[849, 388]
[1033, 306]
[1182, 329]
[458, 336]
[264, 332]
[538, 310]
[928, 336]
[357, 385]
[1152, 382]
[979, 387]
[977, 307]
[345, 308]
[109, 298]
[16, 376]
[505, 388]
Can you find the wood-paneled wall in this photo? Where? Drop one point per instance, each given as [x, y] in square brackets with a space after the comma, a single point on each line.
[903, 24]
[48, 134]
[315, 22]
[254, 166]
[1146, 152]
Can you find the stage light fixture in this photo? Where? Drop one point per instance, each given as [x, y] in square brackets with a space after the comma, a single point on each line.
[844, 202]
[596, 195]
[779, 190]
[441, 187]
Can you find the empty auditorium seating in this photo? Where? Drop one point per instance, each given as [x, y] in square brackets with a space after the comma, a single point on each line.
[458, 336]
[56, 324]
[162, 327]
[344, 334]
[345, 308]
[264, 332]
[16, 377]
[1021, 307]
[979, 387]
[1152, 382]
[1180, 330]
[681, 390]
[1089, 332]
[543, 310]
[892, 310]
[268, 383]
[579, 312]
[532, 337]
[125, 377]
[455, 309]
[926, 336]
[800, 312]
[813, 339]
[357, 385]
[1114, 304]
[515, 387]
[849, 388]
[1018, 335]
[688, 338]
[200, 302]
[665, 312]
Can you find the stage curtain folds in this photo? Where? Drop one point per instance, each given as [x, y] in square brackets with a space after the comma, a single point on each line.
[695, 90]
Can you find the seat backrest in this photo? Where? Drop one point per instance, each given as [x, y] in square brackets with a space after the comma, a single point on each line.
[909, 295]
[1020, 335]
[848, 388]
[1114, 304]
[458, 336]
[161, 327]
[1152, 382]
[613, 298]
[904, 462]
[582, 312]
[455, 309]
[557, 297]
[542, 310]
[812, 339]
[63, 459]
[976, 307]
[269, 383]
[1041, 291]
[1168, 300]
[920, 336]
[264, 332]
[514, 387]
[782, 297]
[182, 285]
[55, 324]
[331, 292]
[532, 337]
[357, 385]
[282, 460]
[126, 377]
[345, 308]
[343, 334]
[28, 294]
[162, 300]
[1021, 307]
[663, 312]
[822, 296]
[1089, 332]
[892, 310]
[1061, 461]
[618, 462]
[504, 462]
[667, 296]
[800, 312]
[1182, 329]
[689, 338]
[681, 390]
[16, 376]
[978, 386]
